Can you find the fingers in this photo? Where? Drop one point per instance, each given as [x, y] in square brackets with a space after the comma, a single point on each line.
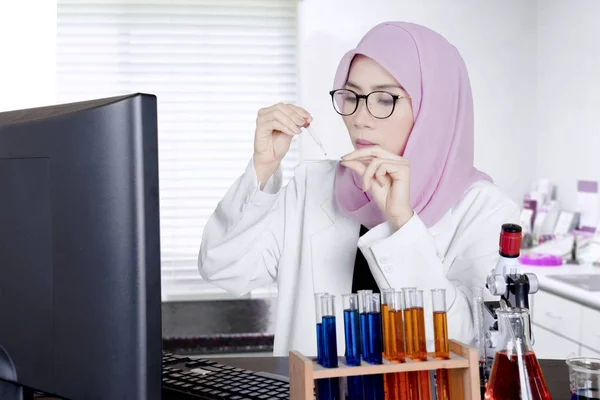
[379, 170]
[369, 173]
[287, 115]
[355, 166]
[299, 115]
[302, 113]
[278, 120]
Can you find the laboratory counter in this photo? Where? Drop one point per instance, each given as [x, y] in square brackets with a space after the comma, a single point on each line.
[565, 312]
[578, 283]
[555, 371]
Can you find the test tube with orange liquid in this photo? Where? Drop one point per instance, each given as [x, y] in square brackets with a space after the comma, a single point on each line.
[442, 348]
[416, 349]
[389, 343]
[398, 353]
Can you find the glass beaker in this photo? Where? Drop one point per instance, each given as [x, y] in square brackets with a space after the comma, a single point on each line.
[584, 378]
[516, 372]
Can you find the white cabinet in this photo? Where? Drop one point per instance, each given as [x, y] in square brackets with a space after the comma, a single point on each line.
[590, 328]
[549, 345]
[563, 328]
[557, 314]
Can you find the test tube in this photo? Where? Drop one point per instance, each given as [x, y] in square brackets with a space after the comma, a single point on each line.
[442, 349]
[440, 324]
[351, 329]
[319, 320]
[421, 343]
[389, 341]
[330, 356]
[327, 388]
[409, 321]
[401, 390]
[374, 328]
[421, 346]
[397, 319]
[389, 336]
[364, 332]
[352, 336]
[374, 383]
[414, 328]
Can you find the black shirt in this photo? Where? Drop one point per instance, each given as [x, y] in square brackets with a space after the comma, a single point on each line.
[362, 278]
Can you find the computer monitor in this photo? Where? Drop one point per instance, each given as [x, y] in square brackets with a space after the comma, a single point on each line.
[80, 313]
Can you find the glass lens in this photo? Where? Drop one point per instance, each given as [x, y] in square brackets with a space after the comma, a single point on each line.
[380, 104]
[344, 101]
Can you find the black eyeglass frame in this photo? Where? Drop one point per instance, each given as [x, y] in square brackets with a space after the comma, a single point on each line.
[366, 97]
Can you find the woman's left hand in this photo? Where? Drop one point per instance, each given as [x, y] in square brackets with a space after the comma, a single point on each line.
[387, 175]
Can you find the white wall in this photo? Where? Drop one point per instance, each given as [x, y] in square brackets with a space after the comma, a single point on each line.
[497, 40]
[27, 53]
[568, 94]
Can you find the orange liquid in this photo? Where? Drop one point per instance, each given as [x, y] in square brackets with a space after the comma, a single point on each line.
[390, 386]
[416, 349]
[396, 386]
[398, 326]
[412, 378]
[424, 388]
[504, 379]
[443, 384]
[389, 335]
[408, 332]
[442, 351]
[421, 347]
[402, 387]
[440, 331]
[413, 385]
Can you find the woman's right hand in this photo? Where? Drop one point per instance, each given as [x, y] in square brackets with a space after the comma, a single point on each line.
[275, 128]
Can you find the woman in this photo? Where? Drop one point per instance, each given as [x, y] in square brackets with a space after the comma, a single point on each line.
[405, 208]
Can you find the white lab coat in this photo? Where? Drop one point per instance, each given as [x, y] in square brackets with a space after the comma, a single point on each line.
[296, 236]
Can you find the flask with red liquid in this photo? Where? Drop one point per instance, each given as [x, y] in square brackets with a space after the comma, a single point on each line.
[516, 372]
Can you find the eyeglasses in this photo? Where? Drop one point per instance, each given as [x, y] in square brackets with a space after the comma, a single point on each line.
[380, 104]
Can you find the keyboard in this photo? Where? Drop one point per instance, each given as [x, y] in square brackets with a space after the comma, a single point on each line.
[188, 378]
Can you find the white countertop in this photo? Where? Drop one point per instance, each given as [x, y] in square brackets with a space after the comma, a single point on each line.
[564, 289]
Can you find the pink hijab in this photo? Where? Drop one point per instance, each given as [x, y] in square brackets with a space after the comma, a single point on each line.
[440, 146]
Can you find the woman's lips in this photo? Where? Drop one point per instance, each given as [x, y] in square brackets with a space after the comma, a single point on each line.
[361, 143]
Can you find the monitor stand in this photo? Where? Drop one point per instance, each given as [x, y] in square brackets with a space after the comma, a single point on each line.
[8, 374]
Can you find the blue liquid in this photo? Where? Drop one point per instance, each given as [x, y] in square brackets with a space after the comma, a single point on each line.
[374, 387]
[352, 334]
[330, 356]
[375, 340]
[364, 336]
[356, 388]
[585, 394]
[319, 344]
[328, 389]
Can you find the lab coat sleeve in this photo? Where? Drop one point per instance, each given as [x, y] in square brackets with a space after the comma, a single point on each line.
[408, 257]
[242, 240]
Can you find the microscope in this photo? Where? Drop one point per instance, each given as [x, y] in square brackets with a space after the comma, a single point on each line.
[506, 281]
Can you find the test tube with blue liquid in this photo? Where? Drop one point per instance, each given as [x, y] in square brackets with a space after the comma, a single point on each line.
[374, 383]
[327, 388]
[364, 331]
[330, 355]
[352, 338]
[319, 318]
[375, 347]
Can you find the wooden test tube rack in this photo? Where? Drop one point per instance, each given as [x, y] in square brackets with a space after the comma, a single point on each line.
[463, 368]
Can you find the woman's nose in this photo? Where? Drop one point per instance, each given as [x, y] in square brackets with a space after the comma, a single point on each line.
[362, 117]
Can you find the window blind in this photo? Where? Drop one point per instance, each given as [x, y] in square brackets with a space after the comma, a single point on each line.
[212, 65]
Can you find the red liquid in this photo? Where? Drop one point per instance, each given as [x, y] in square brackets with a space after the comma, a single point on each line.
[504, 379]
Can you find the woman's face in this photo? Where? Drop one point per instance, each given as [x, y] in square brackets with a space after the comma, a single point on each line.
[391, 134]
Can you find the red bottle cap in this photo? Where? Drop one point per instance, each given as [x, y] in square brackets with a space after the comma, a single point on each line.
[510, 240]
